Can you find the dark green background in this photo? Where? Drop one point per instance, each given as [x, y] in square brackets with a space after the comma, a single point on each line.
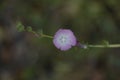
[23, 56]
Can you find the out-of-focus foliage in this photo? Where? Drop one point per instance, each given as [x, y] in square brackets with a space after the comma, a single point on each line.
[20, 27]
[23, 56]
[29, 29]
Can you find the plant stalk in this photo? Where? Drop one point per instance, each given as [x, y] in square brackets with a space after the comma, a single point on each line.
[105, 46]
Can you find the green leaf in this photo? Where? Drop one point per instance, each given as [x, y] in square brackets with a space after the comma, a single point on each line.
[20, 27]
[29, 29]
[106, 43]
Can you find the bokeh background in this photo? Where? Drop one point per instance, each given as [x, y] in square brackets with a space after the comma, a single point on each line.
[23, 56]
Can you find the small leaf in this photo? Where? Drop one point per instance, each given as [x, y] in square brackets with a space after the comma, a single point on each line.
[29, 29]
[106, 43]
[20, 27]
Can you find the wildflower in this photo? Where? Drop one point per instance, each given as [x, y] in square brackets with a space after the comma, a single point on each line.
[64, 39]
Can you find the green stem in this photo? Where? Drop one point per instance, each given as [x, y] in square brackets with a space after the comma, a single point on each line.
[44, 35]
[105, 46]
[41, 35]
[87, 46]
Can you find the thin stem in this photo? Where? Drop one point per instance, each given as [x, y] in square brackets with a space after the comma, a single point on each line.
[44, 35]
[41, 35]
[37, 35]
[105, 46]
[83, 46]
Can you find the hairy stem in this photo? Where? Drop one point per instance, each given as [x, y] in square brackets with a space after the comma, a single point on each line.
[105, 46]
[83, 46]
[41, 35]
[44, 35]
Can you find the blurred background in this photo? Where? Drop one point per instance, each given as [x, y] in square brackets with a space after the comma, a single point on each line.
[23, 56]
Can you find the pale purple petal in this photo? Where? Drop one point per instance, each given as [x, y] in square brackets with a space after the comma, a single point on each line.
[64, 39]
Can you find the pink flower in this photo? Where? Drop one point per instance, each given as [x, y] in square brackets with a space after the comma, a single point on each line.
[64, 39]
